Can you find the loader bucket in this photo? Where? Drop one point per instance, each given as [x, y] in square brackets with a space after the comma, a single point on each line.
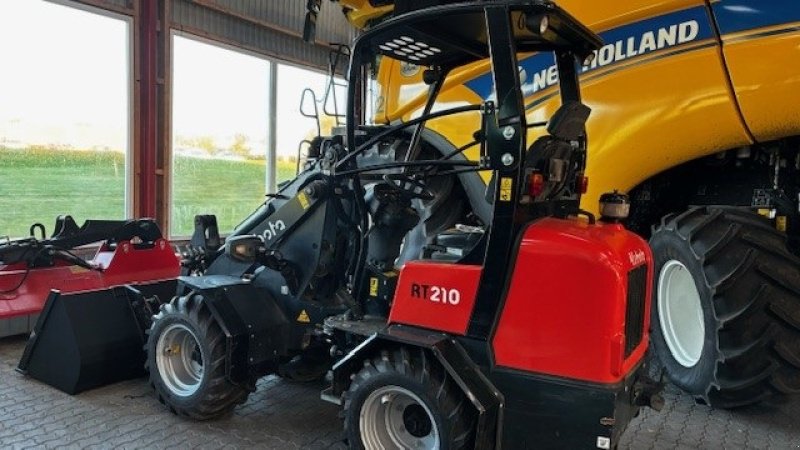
[90, 339]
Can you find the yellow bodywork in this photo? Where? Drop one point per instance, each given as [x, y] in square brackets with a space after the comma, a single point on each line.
[361, 12]
[650, 112]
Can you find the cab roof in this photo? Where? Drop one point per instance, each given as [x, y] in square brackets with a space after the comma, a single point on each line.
[456, 34]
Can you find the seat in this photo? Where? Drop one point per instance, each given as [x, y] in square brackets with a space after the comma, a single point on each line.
[455, 244]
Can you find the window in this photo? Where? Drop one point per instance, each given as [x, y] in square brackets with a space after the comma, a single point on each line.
[64, 114]
[219, 132]
[293, 127]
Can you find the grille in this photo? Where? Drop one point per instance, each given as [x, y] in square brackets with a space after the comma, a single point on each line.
[634, 312]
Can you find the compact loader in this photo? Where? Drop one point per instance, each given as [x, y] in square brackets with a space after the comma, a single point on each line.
[694, 116]
[526, 327]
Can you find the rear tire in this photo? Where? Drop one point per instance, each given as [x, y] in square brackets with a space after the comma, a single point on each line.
[726, 306]
[186, 361]
[403, 399]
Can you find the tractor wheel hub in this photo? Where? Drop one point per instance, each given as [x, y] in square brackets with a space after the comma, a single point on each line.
[179, 359]
[680, 313]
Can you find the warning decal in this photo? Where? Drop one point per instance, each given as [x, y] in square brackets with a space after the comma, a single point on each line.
[303, 199]
[505, 189]
[373, 287]
[303, 317]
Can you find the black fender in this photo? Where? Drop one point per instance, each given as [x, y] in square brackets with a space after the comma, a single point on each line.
[255, 326]
[484, 396]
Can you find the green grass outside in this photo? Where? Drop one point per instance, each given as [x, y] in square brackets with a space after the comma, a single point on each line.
[37, 185]
[229, 189]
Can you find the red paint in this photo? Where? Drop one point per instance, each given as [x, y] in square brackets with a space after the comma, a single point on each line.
[148, 111]
[425, 296]
[565, 310]
[123, 265]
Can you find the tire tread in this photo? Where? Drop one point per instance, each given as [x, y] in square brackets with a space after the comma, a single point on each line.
[754, 281]
[220, 396]
[416, 364]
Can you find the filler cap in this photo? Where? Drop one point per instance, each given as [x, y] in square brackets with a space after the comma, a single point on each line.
[614, 206]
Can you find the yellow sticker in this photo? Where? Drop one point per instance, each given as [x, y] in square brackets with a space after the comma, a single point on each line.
[78, 269]
[764, 212]
[505, 189]
[303, 199]
[303, 317]
[780, 223]
[373, 287]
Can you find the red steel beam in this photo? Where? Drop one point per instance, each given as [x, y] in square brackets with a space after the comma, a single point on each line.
[148, 108]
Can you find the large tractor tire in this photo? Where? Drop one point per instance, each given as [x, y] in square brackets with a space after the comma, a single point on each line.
[404, 400]
[726, 306]
[186, 361]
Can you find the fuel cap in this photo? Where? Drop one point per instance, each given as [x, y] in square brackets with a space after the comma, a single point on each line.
[614, 206]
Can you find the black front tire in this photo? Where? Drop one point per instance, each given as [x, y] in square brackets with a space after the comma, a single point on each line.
[210, 395]
[749, 290]
[412, 370]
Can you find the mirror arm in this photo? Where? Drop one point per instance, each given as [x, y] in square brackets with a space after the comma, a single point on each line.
[310, 27]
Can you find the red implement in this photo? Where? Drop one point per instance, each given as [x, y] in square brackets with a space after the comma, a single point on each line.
[23, 291]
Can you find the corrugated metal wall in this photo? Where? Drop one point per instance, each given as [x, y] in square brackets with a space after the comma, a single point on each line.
[289, 14]
[122, 4]
[269, 27]
[118, 6]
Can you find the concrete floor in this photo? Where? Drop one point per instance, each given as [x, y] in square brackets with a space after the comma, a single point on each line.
[283, 415]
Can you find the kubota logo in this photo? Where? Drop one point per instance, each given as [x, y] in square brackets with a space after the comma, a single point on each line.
[636, 257]
[273, 229]
[436, 294]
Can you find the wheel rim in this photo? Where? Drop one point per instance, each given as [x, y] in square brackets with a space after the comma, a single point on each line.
[395, 418]
[179, 358]
[680, 313]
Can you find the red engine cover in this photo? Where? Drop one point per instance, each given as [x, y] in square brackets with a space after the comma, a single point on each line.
[438, 296]
[566, 306]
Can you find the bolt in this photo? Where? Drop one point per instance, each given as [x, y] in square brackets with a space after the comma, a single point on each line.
[285, 290]
[508, 132]
[507, 159]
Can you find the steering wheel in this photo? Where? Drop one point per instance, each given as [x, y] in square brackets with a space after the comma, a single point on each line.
[412, 187]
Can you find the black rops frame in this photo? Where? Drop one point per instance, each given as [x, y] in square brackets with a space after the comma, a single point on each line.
[484, 30]
[508, 218]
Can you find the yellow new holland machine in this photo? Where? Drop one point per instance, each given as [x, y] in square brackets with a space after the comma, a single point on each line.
[695, 116]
